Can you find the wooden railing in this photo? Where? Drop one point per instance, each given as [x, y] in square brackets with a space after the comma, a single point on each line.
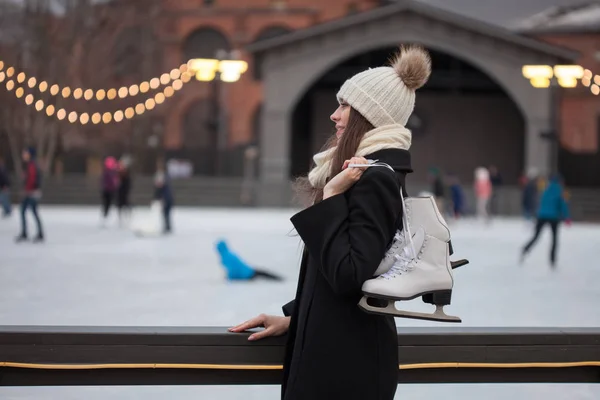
[86, 356]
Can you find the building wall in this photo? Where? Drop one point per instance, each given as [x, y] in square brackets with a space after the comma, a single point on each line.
[580, 108]
[242, 24]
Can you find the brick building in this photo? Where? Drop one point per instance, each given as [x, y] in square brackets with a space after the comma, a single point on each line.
[576, 27]
[170, 32]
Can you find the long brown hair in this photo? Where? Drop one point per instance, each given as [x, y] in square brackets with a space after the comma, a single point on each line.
[347, 146]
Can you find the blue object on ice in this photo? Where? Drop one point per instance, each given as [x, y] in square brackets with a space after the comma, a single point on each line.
[236, 268]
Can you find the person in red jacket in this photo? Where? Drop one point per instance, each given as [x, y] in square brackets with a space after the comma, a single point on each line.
[32, 195]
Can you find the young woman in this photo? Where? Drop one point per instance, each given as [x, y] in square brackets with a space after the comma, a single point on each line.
[334, 349]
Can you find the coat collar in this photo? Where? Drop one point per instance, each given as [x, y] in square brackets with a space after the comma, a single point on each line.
[396, 158]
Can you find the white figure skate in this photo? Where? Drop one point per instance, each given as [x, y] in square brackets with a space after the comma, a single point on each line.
[423, 271]
[420, 212]
[421, 267]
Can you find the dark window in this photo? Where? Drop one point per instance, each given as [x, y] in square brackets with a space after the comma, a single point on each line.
[127, 52]
[205, 43]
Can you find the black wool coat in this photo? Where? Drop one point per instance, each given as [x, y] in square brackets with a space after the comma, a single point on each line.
[334, 349]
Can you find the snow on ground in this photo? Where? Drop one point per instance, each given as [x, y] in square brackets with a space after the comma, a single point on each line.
[86, 275]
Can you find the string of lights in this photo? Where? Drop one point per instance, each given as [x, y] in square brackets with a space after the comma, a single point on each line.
[587, 79]
[11, 75]
[96, 118]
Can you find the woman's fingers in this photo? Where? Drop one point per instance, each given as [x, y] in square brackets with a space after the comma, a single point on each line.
[251, 323]
[262, 334]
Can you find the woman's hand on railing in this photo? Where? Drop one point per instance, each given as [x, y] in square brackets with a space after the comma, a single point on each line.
[274, 326]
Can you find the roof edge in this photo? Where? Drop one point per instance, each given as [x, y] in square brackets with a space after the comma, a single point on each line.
[425, 9]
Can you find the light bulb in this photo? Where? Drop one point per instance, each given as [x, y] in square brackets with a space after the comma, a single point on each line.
[134, 90]
[19, 92]
[10, 85]
[61, 114]
[2, 76]
[10, 72]
[100, 95]
[175, 74]
[1, 65]
[84, 118]
[72, 117]
[123, 92]
[118, 116]
[66, 92]
[154, 83]
[150, 104]
[159, 98]
[165, 79]
[186, 77]
[32, 82]
[50, 110]
[107, 117]
[129, 113]
[54, 90]
[29, 99]
[89, 94]
[183, 68]
[139, 109]
[96, 118]
[39, 105]
[21, 77]
[144, 87]
[77, 93]
[178, 84]
[43, 86]
[111, 94]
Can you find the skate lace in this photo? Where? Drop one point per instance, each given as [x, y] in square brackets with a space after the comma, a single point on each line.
[403, 262]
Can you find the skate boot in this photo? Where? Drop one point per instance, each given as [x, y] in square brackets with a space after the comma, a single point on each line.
[423, 268]
[420, 212]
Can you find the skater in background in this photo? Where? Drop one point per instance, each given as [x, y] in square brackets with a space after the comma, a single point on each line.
[483, 193]
[529, 194]
[164, 193]
[437, 188]
[496, 180]
[110, 184]
[335, 349]
[5, 190]
[123, 204]
[237, 269]
[32, 195]
[458, 196]
[552, 211]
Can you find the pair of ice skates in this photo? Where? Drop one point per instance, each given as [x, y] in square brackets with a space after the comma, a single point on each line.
[417, 264]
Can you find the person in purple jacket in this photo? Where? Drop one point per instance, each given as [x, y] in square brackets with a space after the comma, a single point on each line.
[110, 184]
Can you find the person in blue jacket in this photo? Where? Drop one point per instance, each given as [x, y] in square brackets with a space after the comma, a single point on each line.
[553, 209]
[237, 269]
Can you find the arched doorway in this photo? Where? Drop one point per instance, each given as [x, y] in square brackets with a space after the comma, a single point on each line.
[462, 119]
[205, 42]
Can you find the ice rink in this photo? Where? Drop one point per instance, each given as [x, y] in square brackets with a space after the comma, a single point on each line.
[87, 275]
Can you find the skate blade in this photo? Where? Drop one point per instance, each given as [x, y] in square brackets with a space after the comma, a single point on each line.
[459, 263]
[439, 314]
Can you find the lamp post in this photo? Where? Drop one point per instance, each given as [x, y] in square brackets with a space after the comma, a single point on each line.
[226, 67]
[553, 77]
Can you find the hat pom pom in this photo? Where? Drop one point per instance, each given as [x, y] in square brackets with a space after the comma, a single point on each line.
[413, 66]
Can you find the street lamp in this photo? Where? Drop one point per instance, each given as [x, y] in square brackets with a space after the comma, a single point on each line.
[553, 77]
[226, 67]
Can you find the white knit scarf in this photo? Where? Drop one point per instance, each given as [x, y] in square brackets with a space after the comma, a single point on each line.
[385, 137]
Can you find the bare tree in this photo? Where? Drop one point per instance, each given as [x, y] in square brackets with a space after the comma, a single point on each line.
[66, 42]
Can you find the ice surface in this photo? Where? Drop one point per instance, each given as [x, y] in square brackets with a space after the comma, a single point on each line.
[87, 275]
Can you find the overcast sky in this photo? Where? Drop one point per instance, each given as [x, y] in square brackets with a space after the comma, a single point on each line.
[501, 12]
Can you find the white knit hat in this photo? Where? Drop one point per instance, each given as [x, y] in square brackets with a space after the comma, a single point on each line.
[386, 95]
